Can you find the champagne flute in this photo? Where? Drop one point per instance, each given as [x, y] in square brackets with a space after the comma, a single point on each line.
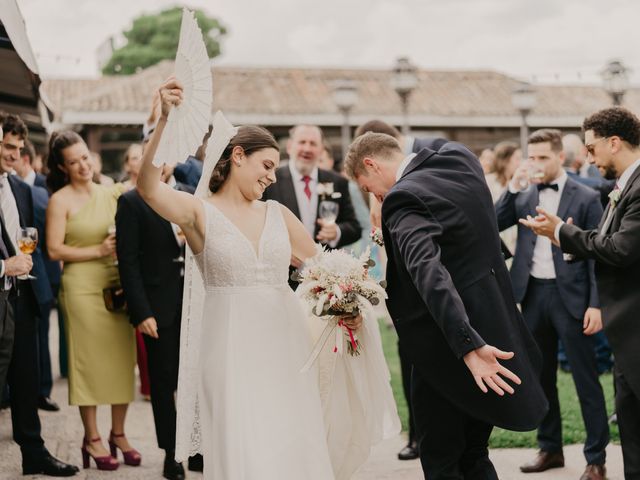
[27, 243]
[328, 211]
[111, 230]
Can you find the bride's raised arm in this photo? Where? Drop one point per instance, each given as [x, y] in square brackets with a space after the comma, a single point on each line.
[177, 207]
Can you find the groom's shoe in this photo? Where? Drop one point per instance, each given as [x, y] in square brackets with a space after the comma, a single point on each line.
[410, 452]
[196, 463]
[543, 461]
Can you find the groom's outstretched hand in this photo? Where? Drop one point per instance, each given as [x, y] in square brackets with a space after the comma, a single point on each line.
[487, 371]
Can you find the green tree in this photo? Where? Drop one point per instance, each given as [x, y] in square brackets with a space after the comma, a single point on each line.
[154, 38]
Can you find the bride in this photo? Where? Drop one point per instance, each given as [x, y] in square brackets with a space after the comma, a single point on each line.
[242, 399]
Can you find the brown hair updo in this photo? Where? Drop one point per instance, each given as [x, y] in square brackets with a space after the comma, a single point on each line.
[57, 143]
[252, 139]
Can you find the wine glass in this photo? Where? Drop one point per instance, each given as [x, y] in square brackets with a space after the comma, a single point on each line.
[534, 175]
[27, 243]
[328, 211]
[111, 230]
[182, 239]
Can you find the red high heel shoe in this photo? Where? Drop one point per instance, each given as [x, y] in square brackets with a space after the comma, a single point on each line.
[131, 457]
[106, 462]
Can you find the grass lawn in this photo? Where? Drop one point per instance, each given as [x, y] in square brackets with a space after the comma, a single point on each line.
[572, 425]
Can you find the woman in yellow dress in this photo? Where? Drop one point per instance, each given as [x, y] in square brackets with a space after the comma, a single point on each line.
[101, 343]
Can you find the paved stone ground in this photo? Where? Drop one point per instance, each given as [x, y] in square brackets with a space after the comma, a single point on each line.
[63, 433]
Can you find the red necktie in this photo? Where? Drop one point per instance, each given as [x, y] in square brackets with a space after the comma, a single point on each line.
[307, 191]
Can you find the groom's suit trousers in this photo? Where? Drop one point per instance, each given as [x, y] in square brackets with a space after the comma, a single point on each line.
[453, 445]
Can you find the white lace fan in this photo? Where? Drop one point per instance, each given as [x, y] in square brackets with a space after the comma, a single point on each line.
[188, 122]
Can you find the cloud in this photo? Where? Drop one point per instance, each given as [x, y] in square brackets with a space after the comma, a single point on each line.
[547, 39]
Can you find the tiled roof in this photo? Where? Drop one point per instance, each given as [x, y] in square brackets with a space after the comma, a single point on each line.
[286, 95]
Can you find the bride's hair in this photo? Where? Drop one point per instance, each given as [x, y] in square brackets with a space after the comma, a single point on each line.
[252, 139]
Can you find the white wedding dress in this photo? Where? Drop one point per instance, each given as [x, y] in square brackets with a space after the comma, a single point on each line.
[242, 400]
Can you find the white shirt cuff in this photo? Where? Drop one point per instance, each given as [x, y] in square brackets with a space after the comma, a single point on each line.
[334, 243]
[512, 189]
[556, 233]
[2, 268]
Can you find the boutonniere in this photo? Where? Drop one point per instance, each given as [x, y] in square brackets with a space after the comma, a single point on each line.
[614, 197]
[325, 190]
[376, 236]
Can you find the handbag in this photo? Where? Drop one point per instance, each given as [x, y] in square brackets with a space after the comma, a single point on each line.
[114, 299]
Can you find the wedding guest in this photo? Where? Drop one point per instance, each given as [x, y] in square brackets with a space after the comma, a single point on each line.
[559, 300]
[149, 252]
[132, 162]
[327, 162]
[575, 159]
[487, 158]
[101, 342]
[16, 203]
[297, 188]
[507, 158]
[48, 274]
[98, 177]
[612, 139]
[24, 167]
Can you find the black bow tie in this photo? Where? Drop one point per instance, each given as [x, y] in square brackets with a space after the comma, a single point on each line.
[543, 186]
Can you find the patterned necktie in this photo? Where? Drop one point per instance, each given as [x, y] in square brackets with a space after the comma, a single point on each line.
[9, 211]
[307, 191]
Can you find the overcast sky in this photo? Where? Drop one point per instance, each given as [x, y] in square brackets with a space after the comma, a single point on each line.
[566, 41]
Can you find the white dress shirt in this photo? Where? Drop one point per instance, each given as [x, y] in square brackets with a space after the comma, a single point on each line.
[542, 262]
[30, 179]
[308, 207]
[404, 164]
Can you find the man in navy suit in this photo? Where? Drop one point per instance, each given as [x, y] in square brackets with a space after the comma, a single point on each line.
[559, 300]
[46, 271]
[16, 203]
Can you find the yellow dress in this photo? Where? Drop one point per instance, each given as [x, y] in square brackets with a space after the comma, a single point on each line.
[101, 344]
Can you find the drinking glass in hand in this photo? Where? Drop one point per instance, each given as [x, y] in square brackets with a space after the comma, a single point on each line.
[111, 230]
[27, 243]
[328, 211]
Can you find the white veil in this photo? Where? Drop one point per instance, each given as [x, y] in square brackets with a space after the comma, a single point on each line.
[187, 405]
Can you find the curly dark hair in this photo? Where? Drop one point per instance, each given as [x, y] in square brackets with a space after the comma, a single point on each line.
[614, 121]
[252, 139]
[57, 143]
[14, 124]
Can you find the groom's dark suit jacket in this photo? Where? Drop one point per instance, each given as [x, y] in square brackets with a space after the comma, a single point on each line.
[449, 289]
[617, 256]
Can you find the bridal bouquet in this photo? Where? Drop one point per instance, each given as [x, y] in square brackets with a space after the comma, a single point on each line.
[336, 284]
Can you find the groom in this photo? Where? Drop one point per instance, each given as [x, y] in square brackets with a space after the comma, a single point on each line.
[475, 364]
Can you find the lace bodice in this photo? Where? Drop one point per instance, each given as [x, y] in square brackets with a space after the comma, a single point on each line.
[229, 259]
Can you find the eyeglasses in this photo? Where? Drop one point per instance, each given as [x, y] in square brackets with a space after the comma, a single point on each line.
[589, 147]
